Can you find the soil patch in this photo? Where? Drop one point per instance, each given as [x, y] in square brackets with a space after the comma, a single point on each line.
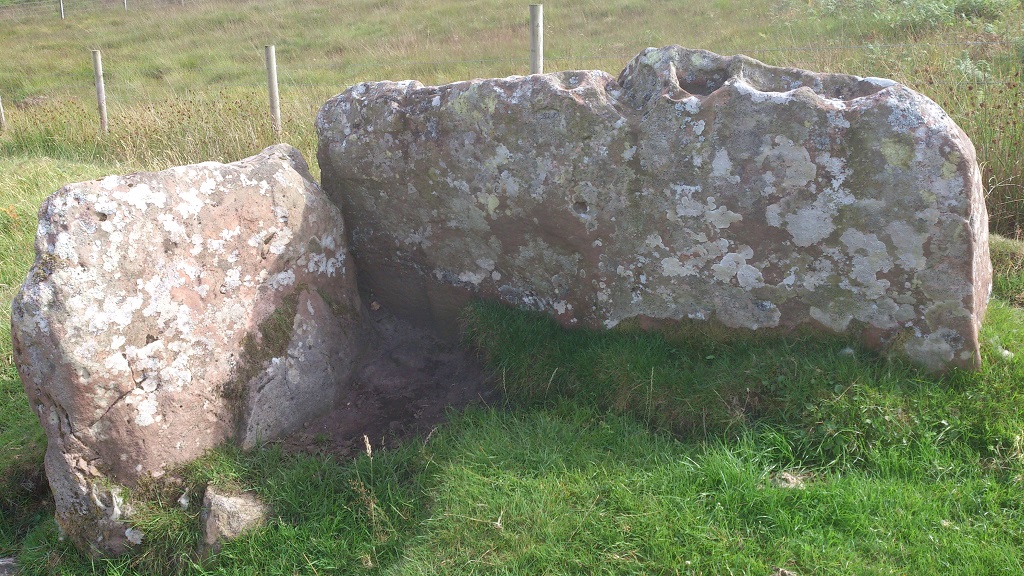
[405, 387]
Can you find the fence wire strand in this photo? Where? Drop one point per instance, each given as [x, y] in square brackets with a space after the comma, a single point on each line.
[135, 87]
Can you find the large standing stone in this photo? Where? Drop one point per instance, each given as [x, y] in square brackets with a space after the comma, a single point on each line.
[168, 312]
[693, 187]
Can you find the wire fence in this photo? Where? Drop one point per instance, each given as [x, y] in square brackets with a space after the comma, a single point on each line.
[136, 84]
[149, 85]
[172, 102]
[63, 9]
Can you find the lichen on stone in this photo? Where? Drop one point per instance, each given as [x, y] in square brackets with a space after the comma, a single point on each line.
[778, 198]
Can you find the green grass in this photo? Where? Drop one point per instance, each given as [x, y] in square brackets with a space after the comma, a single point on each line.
[834, 406]
[1008, 259]
[568, 488]
[622, 452]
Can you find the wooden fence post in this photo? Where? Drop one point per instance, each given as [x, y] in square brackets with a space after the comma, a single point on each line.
[536, 38]
[275, 104]
[125, 5]
[101, 93]
[3, 119]
[61, 9]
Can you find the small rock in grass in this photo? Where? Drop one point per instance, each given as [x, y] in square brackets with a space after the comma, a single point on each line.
[8, 567]
[227, 515]
[134, 535]
[788, 479]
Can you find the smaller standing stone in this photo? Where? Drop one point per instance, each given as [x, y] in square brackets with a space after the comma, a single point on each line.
[171, 312]
[227, 515]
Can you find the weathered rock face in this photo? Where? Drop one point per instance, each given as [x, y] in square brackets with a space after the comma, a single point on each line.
[168, 312]
[693, 187]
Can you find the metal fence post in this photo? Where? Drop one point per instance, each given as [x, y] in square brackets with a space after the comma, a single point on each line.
[536, 38]
[275, 104]
[61, 9]
[3, 119]
[101, 93]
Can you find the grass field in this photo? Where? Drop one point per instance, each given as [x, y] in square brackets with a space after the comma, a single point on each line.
[617, 453]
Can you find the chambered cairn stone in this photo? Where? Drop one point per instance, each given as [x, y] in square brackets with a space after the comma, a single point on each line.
[694, 186]
[169, 312]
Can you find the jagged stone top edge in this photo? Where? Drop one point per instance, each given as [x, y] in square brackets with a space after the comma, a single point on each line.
[701, 72]
[694, 72]
[679, 74]
[286, 152]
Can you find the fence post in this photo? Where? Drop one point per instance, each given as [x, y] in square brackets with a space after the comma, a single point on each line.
[125, 5]
[61, 9]
[3, 119]
[536, 38]
[101, 93]
[275, 104]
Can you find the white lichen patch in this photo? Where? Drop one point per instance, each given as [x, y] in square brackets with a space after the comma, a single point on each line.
[906, 115]
[908, 244]
[474, 278]
[870, 257]
[190, 205]
[64, 248]
[792, 161]
[281, 239]
[175, 231]
[687, 202]
[721, 166]
[809, 225]
[141, 197]
[146, 407]
[734, 265]
[282, 280]
[232, 280]
[320, 264]
[673, 267]
[720, 216]
[116, 364]
[749, 277]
